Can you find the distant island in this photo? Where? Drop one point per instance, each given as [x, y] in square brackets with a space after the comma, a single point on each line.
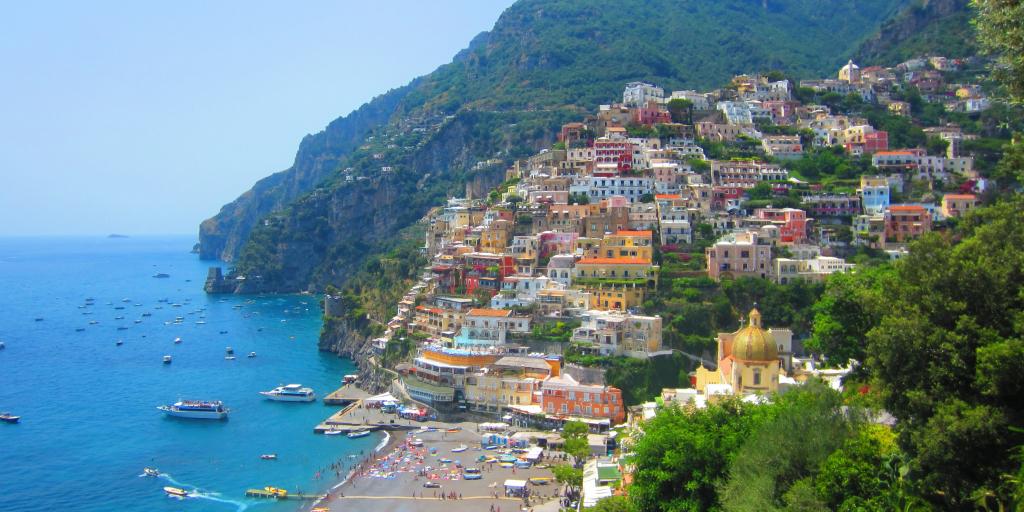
[115, 235]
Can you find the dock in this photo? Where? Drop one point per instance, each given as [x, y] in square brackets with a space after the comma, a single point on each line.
[260, 493]
[345, 395]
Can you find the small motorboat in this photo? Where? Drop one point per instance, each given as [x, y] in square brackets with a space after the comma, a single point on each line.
[251, 355]
[223, 332]
[122, 328]
[39, 319]
[167, 359]
[229, 358]
[176, 492]
[358, 434]
[7, 417]
[230, 351]
[460, 449]
[138, 321]
[333, 432]
[119, 342]
[269, 456]
[4, 345]
[93, 322]
[161, 275]
[119, 317]
[79, 329]
[177, 340]
[151, 472]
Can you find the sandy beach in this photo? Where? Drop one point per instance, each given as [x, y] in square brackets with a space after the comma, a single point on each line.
[394, 479]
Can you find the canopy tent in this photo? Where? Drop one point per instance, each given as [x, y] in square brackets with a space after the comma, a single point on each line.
[381, 399]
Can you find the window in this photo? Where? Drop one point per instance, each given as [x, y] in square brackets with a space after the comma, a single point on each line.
[757, 376]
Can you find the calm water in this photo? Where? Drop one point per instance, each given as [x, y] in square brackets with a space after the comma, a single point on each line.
[88, 407]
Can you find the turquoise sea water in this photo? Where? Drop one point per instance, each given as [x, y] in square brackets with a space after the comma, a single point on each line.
[89, 419]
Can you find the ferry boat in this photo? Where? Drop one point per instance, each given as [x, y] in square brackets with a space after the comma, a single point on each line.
[357, 435]
[290, 393]
[199, 409]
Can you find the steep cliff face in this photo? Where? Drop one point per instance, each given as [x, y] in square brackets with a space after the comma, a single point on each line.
[223, 235]
[325, 235]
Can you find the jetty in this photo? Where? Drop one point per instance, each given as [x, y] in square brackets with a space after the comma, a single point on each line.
[345, 395]
[262, 493]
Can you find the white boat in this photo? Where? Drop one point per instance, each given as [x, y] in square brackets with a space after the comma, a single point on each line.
[269, 456]
[333, 432]
[290, 393]
[198, 409]
[460, 449]
[167, 359]
[174, 491]
[229, 358]
[177, 340]
[252, 354]
[151, 472]
[358, 434]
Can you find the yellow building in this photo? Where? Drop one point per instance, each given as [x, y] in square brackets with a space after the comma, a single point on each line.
[628, 244]
[748, 360]
[496, 236]
[619, 297]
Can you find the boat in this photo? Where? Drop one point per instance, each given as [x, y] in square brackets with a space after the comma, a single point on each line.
[229, 358]
[77, 329]
[147, 314]
[167, 359]
[9, 418]
[460, 449]
[39, 319]
[93, 322]
[349, 379]
[4, 345]
[161, 275]
[230, 351]
[251, 355]
[275, 491]
[138, 321]
[358, 434]
[151, 472]
[290, 393]
[175, 491]
[223, 332]
[119, 342]
[269, 456]
[119, 317]
[122, 328]
[333, 432]
[201, 322]
[199, 409]
[177, 340]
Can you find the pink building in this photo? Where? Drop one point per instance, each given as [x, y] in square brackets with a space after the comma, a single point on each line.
[739, 255]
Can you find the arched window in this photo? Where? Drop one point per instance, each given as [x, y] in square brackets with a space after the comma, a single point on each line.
[757, 376]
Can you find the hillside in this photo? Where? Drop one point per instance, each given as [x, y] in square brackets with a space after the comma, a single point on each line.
[542, 61]
[936, 27]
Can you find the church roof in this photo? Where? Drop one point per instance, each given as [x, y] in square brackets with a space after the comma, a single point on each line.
[753, 342]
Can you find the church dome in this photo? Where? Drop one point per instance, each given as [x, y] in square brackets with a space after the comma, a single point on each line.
[753, 343]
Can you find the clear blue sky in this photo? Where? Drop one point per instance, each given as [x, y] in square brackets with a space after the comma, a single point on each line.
[145, 117]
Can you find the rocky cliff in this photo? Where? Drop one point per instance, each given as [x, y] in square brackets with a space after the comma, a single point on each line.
[926, 27]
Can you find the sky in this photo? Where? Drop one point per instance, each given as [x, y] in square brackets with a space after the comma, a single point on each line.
[146, 117]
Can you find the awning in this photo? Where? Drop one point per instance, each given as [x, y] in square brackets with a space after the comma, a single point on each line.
[515, 484]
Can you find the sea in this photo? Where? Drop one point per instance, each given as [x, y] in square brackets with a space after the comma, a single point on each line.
[90, 422]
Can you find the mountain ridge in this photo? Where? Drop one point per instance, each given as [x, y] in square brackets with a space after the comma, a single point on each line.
[550, 56]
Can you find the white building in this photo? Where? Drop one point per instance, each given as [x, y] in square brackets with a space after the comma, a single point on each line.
[618, 333]
[637, 94]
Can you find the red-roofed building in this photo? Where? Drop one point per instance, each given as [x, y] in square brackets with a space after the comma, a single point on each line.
[905, 222]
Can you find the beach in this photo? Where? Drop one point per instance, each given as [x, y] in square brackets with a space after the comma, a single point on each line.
[393, 478]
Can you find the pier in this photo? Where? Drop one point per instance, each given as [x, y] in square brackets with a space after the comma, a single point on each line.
[345, 395]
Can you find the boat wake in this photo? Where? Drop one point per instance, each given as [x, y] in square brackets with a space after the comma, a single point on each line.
[197, 493]
[383, 442]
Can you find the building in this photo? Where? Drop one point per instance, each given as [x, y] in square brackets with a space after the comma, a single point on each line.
[615, 333]
[750, 360]
[564, 398]
[782, 146]
[787, 270]
[874, 194]
[745, 173]
[905, 222]
[738, 255]
[792, 223]
[627, 244]
[638, 94]
[490, 327]
[955, 205]
[832, 205]
[850, 73]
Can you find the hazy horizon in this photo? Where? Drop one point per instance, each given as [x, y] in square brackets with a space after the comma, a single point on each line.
[143, 119]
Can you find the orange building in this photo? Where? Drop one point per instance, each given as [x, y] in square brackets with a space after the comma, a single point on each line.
[905, 222]
[563, 397]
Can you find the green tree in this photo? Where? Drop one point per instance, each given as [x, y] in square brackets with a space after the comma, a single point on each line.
[949, 353]
[1000, 25]
[568, 475]
[681, 110]
[852, 304]
[614, 504]
[862, 474]
[684, 454]
[773, 460]
[936, 146]
[575, 435]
